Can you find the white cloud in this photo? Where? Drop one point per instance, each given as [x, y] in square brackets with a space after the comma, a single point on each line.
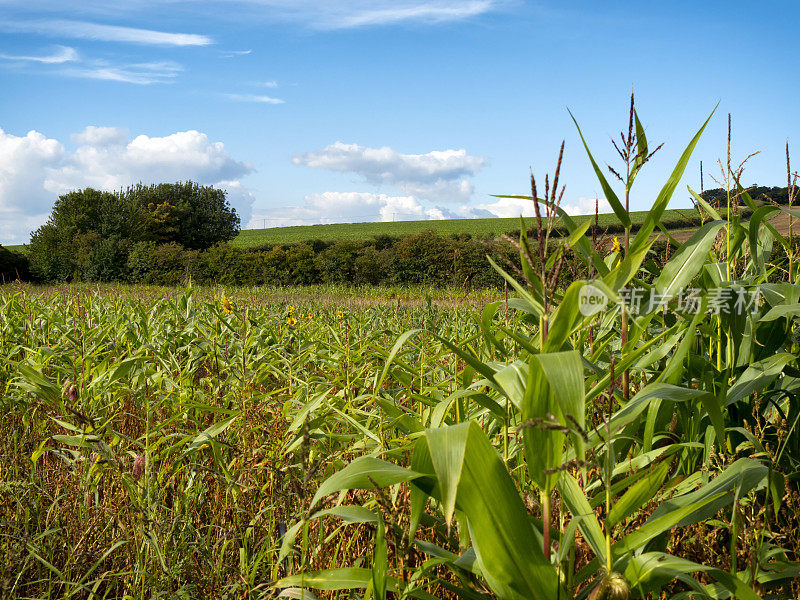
[35, 169]
[353, 207]
[232, 53]
[138, 74]
[314, 14]
[585, 206]
[349, 14]
[254, 98]
[423, 12]
[100, 136]
[514, 207]
[347, 207]
[62, 54]
[434, 176]
[106, 33]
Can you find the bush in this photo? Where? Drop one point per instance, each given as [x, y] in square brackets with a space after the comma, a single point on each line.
[336, 263]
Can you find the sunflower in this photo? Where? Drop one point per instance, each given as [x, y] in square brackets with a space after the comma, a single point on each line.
[291, 321]
[339, 314]
[615, 247]
[226, 304]
[309, 318]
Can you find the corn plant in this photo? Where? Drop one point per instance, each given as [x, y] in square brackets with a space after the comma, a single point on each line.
[539, 411]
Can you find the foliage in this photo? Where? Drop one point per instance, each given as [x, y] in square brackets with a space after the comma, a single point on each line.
[91, 233]
[13, 265]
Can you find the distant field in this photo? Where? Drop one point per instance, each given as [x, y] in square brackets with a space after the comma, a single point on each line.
[249, 238]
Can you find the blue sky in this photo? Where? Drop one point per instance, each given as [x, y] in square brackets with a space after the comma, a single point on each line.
[351, 110]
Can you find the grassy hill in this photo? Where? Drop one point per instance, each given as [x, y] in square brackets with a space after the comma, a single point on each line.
[250, 238]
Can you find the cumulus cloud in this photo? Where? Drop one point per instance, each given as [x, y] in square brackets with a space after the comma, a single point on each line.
[514, 207]
[35, 169]
[347, 207]
[435, 176]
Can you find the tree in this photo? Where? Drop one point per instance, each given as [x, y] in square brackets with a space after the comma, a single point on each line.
[90, 233]
[194, 216]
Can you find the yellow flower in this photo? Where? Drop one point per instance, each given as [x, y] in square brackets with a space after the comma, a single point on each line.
[339, 314]
[291, 310]
[309, 317]
[226, 304]
[616, 246]
[291, 321]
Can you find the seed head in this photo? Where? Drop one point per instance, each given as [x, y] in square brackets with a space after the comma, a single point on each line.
[138, 466]
[70, 391]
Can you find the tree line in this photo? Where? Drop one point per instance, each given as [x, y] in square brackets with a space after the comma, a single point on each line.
[168, 233]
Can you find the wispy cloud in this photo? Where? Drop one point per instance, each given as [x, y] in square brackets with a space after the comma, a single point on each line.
[138, 74]
[61, 55]
[106, 33]
[233, 53]
[268, 84]
[421, 12]
[253, 98]
[314, 14]
[349, 14]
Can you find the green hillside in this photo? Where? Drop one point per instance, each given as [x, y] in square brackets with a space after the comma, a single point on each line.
[249, 238]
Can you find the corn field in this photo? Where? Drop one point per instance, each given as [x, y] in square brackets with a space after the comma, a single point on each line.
[265, 443]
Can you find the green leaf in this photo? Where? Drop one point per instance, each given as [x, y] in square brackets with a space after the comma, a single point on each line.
[508, 548]
[638, 495]
[788, 311]
[706, 206]
[687, 261]
[543, 446]
[380, 563]
[744, 474]
[208, 435]
[392, 353]
[448, 460]
[756, 250]
[351, 578]
[580, 509]
[364, 473]
[758, 376]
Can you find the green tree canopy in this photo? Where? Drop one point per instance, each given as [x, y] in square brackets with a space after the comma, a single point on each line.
[90, 232]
